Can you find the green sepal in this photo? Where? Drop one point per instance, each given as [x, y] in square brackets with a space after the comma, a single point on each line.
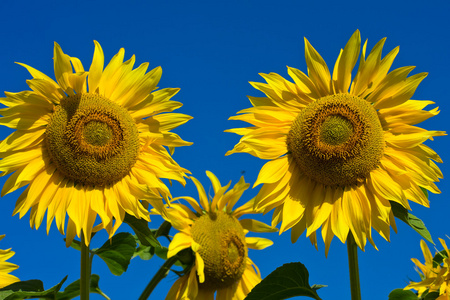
[439, 257]
[315, 287]
[164, 230]
[414, 222]
[144, 252]
[140, 227]
[73, 289]
[289, 280]
[425, 191]
[75, 244]
[401, 294]
[29, 289]
[186, 257]
[431, 296]
[117, 252]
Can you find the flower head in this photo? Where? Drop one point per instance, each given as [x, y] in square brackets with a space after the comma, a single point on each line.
[6, 267]
[435, 277]
[90, 143]
[216, 236]
[340, 149]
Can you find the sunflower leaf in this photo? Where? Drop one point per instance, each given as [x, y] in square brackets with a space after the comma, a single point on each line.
[401, 294]
[289, 280]
[117, 252]
[29, 289]
[140, 227]
[73, 289]
[414, 222]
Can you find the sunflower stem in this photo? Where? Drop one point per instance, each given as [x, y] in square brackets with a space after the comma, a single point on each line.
[85, 275]
[162, 272]
[352, 250]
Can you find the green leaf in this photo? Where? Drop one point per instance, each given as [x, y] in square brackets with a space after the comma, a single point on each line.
[289, 280]
[414, 222]
[140, 227]
[117, 252]
[401, 294]
[73, 289]
[29, 289]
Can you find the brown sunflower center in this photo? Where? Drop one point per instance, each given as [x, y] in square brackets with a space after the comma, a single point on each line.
[223, 249]
[337, 140]
[92, 140]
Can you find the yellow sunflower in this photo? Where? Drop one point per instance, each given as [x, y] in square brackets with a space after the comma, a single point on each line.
[91, 143]
[6, 267]
[216, 236]
[340, 150]
[435, 278]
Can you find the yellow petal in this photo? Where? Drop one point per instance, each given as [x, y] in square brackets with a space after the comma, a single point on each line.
[305, 87]
[342, 74]
[321, 208]
[367, 70]
[179, 242]
[201, 194]
[63, 69]
[96, 68]
[272, 171]
[156, 102]
[383, 185]
[258, 243]
[337, 218]
[256, 226]
[317, 70]
[39, 75]
[200, 264]
[293, 210]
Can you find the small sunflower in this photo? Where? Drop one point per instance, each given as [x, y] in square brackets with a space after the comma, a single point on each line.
[6, 267]
[91, 143]
[435, 277]
[340, 150]
[217, 238]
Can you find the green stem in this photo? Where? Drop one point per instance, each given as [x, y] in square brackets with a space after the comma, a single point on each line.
[85, 275]
[352, 250]
[162, 272]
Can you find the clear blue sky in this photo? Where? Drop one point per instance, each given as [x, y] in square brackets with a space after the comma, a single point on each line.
[211, 50]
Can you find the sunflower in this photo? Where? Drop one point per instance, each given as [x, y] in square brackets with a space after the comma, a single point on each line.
[340, 150]
[216, 236]
[435, 278]
[91, 143]
[6, 267]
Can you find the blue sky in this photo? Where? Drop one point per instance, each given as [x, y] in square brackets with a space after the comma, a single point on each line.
[211, 51]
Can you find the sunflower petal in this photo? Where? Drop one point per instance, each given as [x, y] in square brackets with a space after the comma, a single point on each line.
[342, 74]
[317, 70]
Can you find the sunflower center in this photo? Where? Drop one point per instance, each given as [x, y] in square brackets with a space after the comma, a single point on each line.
[223, 249]
[97, 133]
[337, 140]
[92, 140]
[335, 130]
